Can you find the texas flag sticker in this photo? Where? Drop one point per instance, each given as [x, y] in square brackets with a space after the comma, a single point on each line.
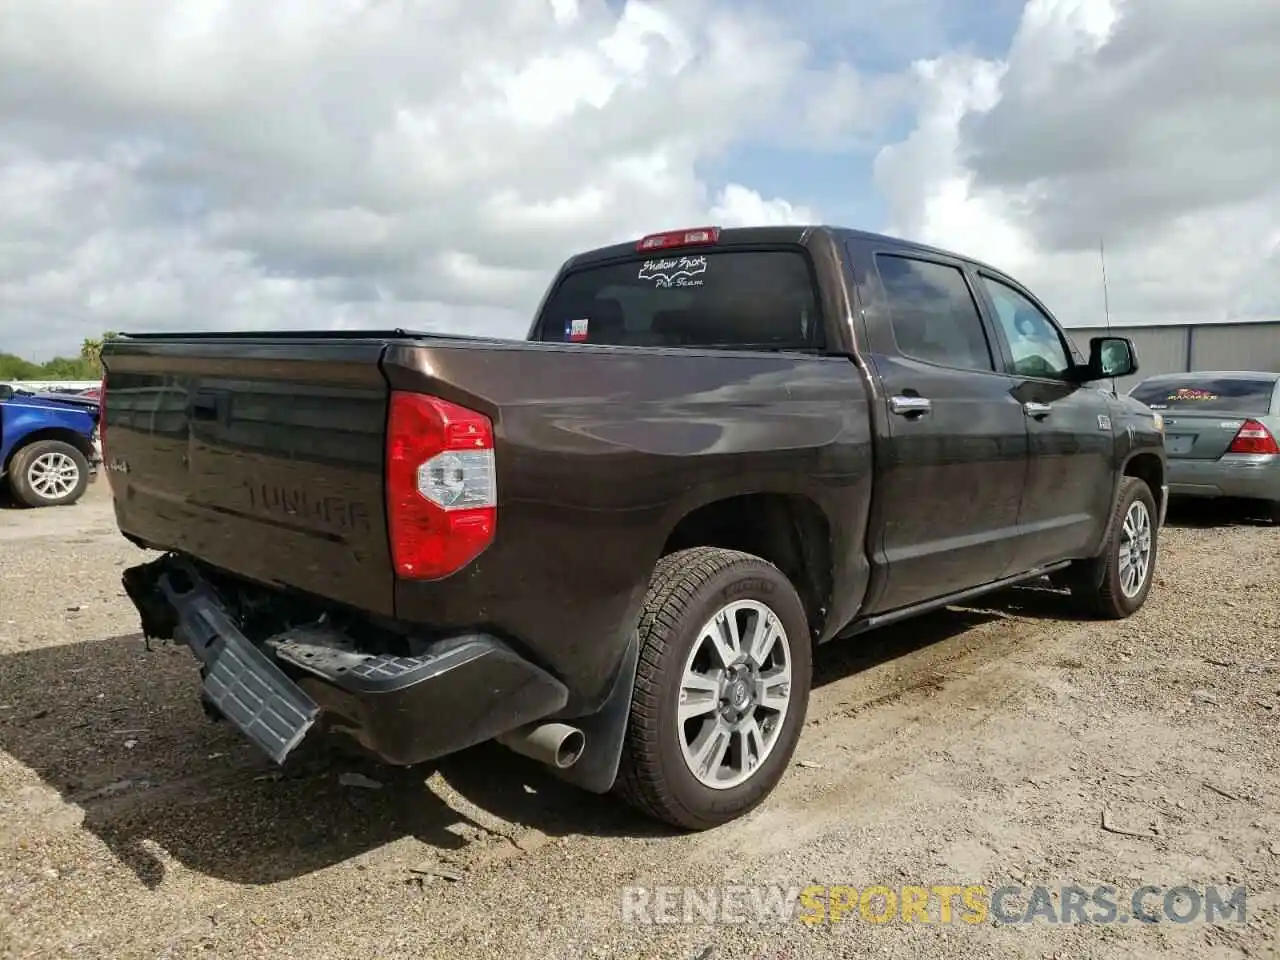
[576, 330]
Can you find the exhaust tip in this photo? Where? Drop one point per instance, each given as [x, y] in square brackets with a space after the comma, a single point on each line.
[557, 745]
[570, 750]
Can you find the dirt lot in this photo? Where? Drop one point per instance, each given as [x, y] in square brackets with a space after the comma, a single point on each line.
[978, 746]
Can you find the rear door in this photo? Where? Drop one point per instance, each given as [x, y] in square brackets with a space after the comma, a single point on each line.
[1203, 412]
[951, 437]
[1071, 464]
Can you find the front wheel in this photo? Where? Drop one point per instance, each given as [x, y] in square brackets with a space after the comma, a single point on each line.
[721, 691]
[48, 473]
[1115, 584]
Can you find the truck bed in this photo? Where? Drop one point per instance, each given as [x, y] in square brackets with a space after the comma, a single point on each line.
[263, 456]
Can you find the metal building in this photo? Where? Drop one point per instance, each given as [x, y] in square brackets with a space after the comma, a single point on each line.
[1186, 347]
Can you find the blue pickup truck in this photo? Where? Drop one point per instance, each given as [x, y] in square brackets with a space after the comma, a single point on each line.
[49, 449]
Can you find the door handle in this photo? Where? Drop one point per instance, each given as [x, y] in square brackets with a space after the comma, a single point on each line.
[910, 406]
[1033, 409]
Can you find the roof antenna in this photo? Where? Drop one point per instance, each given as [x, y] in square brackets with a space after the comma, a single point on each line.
[1106, 301]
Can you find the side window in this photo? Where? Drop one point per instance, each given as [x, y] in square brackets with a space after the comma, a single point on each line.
[1037, 347]
[933, 313]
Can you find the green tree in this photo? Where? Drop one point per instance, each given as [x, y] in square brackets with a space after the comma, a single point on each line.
[91, 350]
[69, 368]
[87, 366]
[15, 368]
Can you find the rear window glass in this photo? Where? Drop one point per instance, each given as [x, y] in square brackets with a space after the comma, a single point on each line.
[1216, 394]
[733, 299]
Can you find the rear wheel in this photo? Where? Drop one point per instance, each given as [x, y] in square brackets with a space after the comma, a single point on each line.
[722, 688]
[48, 473]
[1115, 584]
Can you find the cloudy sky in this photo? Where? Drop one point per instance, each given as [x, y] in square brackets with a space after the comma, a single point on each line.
[428, 163]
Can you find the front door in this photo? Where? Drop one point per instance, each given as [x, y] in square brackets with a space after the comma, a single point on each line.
[1071, 467]
[950, 437]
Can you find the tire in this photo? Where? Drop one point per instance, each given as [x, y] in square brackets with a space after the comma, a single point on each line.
[1099, 585]
[1273, 511]
[687, 590]
[48, 473]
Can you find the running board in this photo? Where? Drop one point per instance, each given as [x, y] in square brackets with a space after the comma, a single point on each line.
[904, 613]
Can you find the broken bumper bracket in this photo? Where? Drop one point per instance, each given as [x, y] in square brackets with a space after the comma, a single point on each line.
[240, 681]
[460, 691]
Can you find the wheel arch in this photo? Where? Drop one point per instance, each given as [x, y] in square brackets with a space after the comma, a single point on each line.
[788, 530]
[1141, 465]
[1150, 469]
[65, 434]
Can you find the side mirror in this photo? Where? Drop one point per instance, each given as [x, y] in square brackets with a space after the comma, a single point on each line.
[1109, 357]
[6, 391]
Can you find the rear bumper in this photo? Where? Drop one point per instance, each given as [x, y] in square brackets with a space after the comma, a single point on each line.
[1251, 476]
[403, 709]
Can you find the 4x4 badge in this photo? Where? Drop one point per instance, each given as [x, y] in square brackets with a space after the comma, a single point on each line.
[1104, 422]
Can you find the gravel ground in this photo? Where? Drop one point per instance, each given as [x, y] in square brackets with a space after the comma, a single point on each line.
[976, 746]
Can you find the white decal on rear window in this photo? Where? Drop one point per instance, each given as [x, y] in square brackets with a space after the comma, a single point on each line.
[674, 271]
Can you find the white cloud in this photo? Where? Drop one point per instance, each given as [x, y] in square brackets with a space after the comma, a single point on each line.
[739, 206]
[428, 163]
[1150, 123]
[336, 162]
[848, 107]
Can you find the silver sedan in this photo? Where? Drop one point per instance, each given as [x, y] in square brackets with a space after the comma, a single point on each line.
[1221, 429]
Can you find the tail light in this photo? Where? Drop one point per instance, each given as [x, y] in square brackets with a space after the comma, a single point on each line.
[697, 237]
[1253, 437]
[442, 505]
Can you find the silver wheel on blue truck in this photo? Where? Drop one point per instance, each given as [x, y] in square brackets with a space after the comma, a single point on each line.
[721, 690]
[48, 473]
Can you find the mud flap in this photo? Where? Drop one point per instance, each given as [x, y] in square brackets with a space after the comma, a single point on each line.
[605, 730]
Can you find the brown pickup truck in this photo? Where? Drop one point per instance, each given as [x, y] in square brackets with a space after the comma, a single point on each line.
[615, 545]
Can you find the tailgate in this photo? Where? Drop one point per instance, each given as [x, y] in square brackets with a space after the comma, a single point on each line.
[262, 456]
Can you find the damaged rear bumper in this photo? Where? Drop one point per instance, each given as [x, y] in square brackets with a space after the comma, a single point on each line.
[462, 691]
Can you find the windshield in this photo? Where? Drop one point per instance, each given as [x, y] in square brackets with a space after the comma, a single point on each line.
[1236, 395]
[746, 299]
